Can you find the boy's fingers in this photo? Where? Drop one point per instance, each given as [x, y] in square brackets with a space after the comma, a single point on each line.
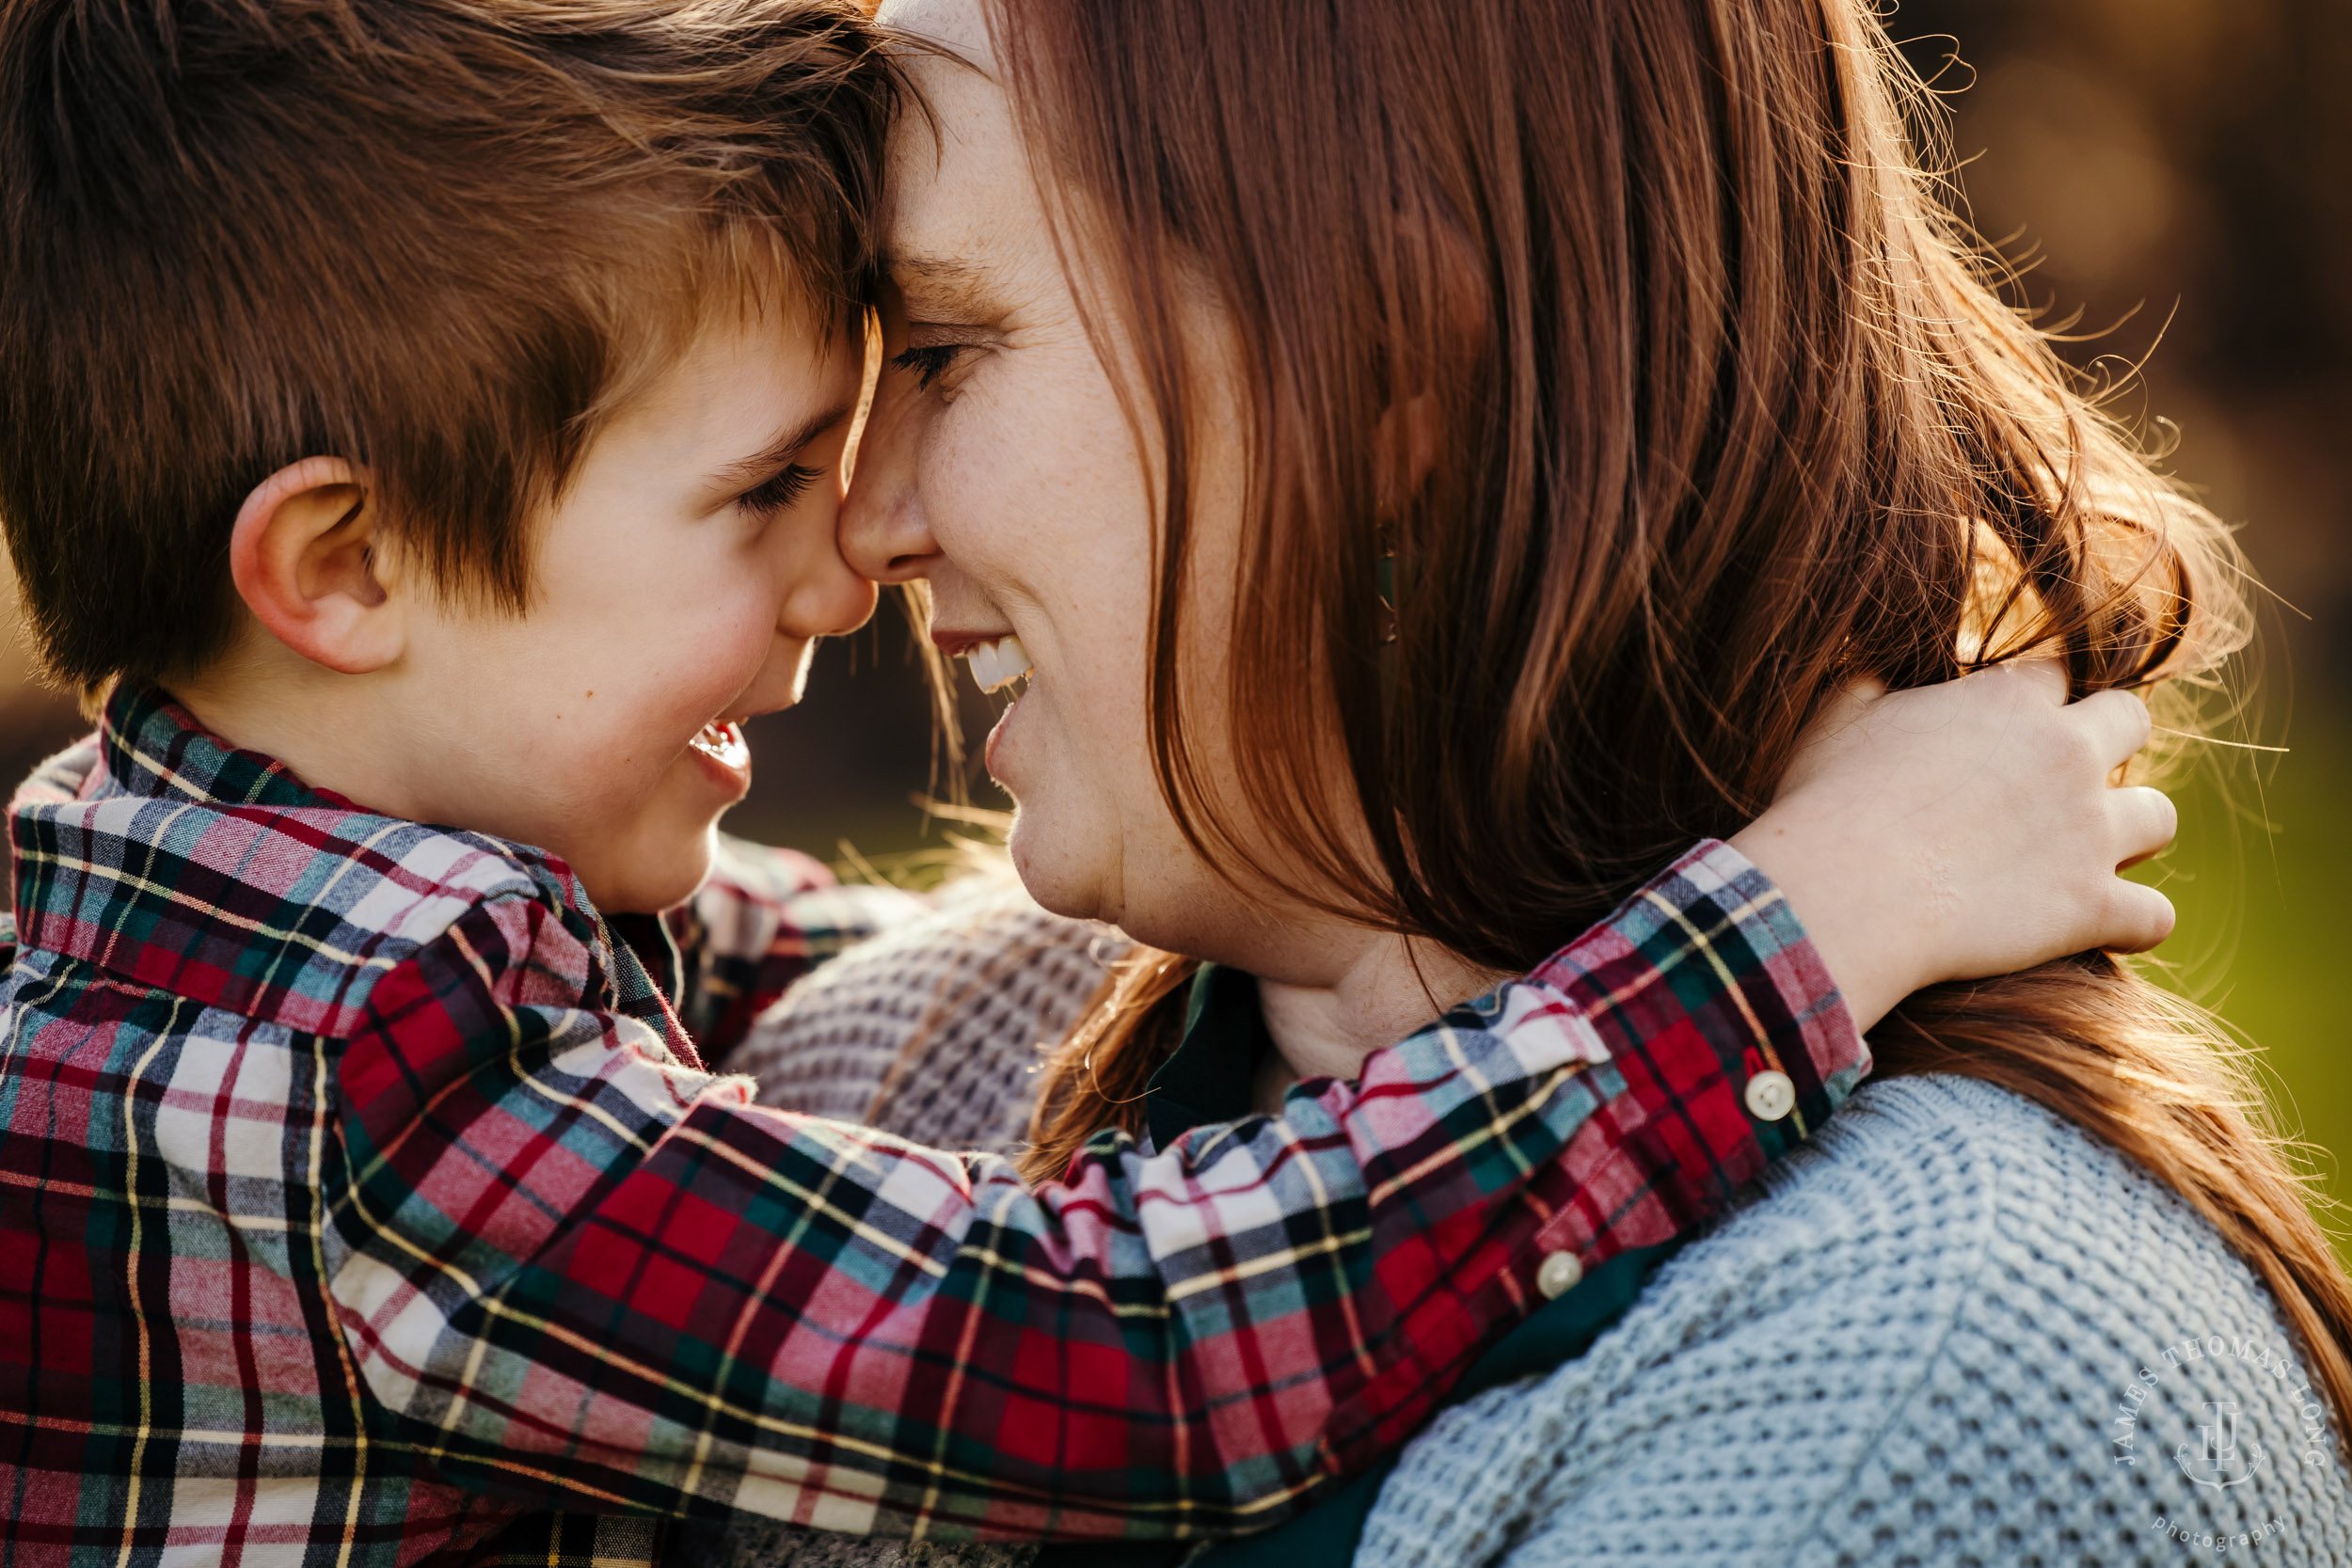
[2046, 675]
[2139, 918]
[1847, 702]
[2119, 724]
[2145, 821]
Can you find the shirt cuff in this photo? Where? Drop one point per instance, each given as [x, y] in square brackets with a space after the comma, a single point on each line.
[1713, 943]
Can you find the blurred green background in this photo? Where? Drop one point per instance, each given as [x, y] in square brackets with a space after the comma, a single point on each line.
[2179, 173]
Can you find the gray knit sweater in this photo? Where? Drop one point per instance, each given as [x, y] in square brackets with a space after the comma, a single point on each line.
[1926, 1339]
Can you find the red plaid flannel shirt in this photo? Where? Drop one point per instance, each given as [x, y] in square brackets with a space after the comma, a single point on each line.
[358, 1191]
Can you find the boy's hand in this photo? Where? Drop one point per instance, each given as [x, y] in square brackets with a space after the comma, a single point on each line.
[1954, 831]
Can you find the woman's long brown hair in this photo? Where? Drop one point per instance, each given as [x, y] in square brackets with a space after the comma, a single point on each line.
[1726, 409]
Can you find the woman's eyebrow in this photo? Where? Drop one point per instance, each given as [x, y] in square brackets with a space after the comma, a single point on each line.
[942, 282]
[784, 448]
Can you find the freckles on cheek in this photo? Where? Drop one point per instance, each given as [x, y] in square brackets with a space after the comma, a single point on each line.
[975, 468]
[636, 722]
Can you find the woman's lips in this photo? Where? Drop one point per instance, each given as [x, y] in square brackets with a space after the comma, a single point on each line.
[997, 663]
[989, 751]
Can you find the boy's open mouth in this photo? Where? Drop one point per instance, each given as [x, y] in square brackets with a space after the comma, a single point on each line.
[722, 740]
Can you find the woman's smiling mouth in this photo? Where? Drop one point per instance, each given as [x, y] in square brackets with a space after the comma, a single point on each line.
[998, 660]
[998, 663]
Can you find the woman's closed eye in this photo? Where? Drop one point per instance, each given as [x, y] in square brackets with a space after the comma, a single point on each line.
[928, 362]
[779, 491]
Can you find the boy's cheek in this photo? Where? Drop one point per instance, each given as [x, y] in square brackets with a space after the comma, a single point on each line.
[779, 680]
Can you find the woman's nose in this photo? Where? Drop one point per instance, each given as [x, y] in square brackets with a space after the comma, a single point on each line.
[883, 532]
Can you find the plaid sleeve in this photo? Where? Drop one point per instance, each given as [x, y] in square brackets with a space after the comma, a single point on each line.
[1728, 1044]
[579, 1273]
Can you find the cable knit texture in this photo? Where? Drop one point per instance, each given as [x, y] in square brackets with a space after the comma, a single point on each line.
[1917, 1344]
[933, 1031]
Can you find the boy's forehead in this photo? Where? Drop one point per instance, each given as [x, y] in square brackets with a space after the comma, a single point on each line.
[742, 383]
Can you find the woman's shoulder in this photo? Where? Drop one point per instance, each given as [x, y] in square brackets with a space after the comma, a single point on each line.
[1955, 1328]
[932, 1029]
[1946, 1177]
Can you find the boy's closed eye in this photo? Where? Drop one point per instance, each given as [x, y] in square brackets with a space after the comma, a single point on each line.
[781, 491]
[773, 481]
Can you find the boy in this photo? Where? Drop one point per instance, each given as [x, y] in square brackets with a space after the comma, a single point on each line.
[421, 420]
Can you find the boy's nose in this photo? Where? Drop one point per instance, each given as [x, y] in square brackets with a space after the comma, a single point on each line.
[823, 594]
[883, 532]
[829, 603]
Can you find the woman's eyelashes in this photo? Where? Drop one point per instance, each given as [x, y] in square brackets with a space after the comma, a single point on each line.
[928, 362]
[779, 491]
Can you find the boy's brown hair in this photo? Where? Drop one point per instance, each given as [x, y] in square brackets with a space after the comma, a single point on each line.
[436, 237]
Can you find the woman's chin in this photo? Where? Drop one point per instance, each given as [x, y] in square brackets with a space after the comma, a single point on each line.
[1062, 870]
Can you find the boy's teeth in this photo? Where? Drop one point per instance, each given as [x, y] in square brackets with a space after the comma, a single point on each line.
[724, 741]
[999, 664]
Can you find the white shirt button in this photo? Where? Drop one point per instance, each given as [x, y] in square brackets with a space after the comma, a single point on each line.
[1557, 1275]
[1770, 1096]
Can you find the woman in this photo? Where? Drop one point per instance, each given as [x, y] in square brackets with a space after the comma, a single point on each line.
[1515, 420]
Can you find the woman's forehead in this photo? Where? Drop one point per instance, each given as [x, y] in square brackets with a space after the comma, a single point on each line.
[960, 177]
[961, 25]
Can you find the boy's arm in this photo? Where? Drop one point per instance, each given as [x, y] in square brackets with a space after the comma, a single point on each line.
[578, 1272]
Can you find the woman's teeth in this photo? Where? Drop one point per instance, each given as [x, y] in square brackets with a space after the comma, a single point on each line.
[999, 664]
[724, 741]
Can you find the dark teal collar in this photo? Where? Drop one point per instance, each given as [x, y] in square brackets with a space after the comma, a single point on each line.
[1215, 1068]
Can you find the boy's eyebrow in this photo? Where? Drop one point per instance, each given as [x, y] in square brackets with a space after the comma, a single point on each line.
[781, 452]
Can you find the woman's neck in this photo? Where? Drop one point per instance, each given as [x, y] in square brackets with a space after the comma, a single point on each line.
[1381, 993]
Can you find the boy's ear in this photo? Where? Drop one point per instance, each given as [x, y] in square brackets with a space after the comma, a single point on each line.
[304, 557]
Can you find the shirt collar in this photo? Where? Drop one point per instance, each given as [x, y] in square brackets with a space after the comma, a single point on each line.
[1211, 1074]
[147, 748]
[151, 746]
[253, 890]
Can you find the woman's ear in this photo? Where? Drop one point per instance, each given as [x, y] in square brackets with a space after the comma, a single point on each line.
[1440, 327]
[304, 555]
[1406, 443]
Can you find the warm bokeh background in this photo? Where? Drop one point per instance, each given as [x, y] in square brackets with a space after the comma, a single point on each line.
[2181, 162]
